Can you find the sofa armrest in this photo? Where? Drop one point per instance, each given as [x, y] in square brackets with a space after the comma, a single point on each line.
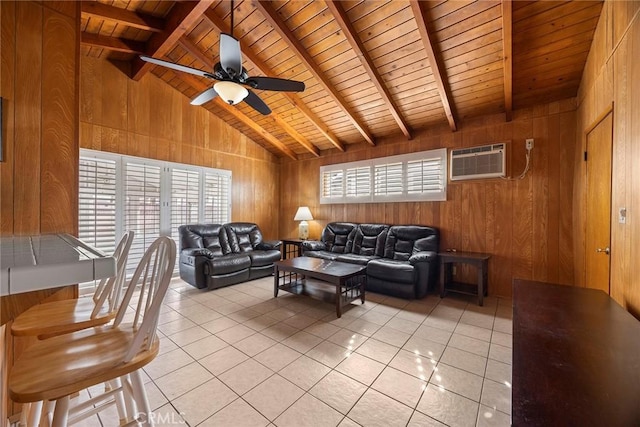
[313, 245]
[423, 256]
[267, 245]
[198, 252]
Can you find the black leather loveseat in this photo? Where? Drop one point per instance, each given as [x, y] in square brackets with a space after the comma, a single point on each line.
[401, 260]
[217, 255]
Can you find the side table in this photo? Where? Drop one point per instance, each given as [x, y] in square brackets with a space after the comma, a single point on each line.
[291, 248]
[478, 260]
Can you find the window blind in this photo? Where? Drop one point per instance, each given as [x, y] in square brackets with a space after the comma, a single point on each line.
[425, 176]
[358, 182]
[185, 202]
[217, 200]
[388, 179]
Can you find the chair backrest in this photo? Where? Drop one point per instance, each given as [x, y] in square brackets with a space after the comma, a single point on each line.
[338, 237]
[243, 236]
[110, 289]
[151, 279]
[370, 239]
[405, 240]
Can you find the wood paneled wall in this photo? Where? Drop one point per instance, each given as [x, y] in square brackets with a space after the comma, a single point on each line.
[151, 119]
[612, 76]
[526, 225]
[39, 176]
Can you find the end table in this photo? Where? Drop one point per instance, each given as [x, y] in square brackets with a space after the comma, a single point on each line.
[291, 248]
[477, 259]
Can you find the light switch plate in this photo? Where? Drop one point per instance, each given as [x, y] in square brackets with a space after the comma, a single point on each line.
[622, 216]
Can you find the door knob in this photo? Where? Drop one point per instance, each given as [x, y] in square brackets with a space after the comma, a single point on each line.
[605, 250]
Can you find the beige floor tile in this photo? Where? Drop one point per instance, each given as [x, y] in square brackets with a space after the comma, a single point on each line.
[168, 316]
[348, 422]
[167, 362]
[433, 334]
[302, 341]
[328, 353]
[440, 323]
[261, 322]
[497, 396]
[282, 313]
[502, 339]
[413, 316]
[360, 368]
[223, 360]
[350, 391]
[500, 353]
[472, 345]
[245, 376]
[322, 329]
[304, 372]
[347, 339]
[237, 414]
[498, 372]
[473, 332]
[464, 360]
[376, 317]
[384, 308]
[244, 315]
[204, 316]
[340, 322]
[378, 350]
[402, 387]
[391, 336]
[418, 419]
[188, 336]
[183, 380]
[279, 331]
[477, 319]
[458, 381]
[363, 327]
[254, 344]
[166, 345]
[375, 409]
[299, 321]
[274, 396]
[178, 325]
[191, 406]
[204, 347]
[490, 417]
[309, 412]
[504, 325]
[155, 396]
[277, 357]
[235, 334]
[403, 325]
[232, 307]
[219, 325]
[425, 348]
[447, 407]
[413, 364]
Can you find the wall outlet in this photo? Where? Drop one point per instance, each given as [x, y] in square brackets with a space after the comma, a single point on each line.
[529, 143]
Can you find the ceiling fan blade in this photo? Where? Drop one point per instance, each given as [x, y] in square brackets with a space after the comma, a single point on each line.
[230, 55]
[204, 96]
[176, 66]
[274, 83]
[257, 104]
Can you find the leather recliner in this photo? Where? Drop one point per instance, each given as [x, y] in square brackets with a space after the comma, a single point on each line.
[401, 260]
[217, 255]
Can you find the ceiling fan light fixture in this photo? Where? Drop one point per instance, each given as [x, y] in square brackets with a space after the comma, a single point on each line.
[231, 93]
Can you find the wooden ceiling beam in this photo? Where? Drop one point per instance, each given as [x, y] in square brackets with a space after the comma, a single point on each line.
[181, 18]
[122, 16]
[294, 99]
[507, 49]
[208, 61]
[234, 111]
[272, 18]
[111, 43]
[358, 47]
[438, 71]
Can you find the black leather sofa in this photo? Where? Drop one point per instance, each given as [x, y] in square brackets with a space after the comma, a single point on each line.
[217, 255]
[401, 260]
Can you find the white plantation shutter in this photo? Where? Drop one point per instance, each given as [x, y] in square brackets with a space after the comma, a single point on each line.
[388, 179]
[97, 207]
[141, 207]
[217, 198]
[358, 182]
[185, 202]
[408, 177]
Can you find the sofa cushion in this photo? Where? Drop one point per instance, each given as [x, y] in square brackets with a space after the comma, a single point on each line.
[209, 236]
[405, 240]
[338, 236]
[226, 264]
[261, 258]
[331, 256]
[369, 239]
[243, 236]
[393, 270]
[356, 259]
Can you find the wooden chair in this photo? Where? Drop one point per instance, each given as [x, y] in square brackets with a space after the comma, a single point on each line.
[75, 314]
[56, 368]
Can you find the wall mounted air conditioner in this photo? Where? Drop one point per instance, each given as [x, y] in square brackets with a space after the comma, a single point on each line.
[487, 161]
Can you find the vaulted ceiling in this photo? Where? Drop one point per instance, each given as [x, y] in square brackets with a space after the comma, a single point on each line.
[372, 69]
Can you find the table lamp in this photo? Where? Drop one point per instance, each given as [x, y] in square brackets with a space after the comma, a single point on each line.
[303, 215]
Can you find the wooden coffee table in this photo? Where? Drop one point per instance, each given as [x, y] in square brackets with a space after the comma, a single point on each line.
[330, 281]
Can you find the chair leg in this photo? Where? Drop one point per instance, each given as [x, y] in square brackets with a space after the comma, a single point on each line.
[119, 399]
[61, 413]
[140, 396]
[34, 414]
[46, 419]
[24, 415]
[129, 401]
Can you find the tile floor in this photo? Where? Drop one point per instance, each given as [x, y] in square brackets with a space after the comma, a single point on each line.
[238, 357]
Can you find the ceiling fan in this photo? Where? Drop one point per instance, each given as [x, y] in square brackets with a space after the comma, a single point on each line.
[232, 77]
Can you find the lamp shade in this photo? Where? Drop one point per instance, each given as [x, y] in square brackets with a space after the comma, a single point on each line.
[231, 93]
[303, 214]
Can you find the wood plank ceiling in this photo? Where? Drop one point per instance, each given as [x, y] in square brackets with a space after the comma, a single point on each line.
[372, 69]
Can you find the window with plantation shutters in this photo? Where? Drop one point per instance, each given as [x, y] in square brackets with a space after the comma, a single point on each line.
[217, 200]
[150, 197]
[407, 177]
[141, 207]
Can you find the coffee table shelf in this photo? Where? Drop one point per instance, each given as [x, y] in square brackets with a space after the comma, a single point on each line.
[329, 281]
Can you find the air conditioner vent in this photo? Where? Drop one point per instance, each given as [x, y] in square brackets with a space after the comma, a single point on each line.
[487, 161]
